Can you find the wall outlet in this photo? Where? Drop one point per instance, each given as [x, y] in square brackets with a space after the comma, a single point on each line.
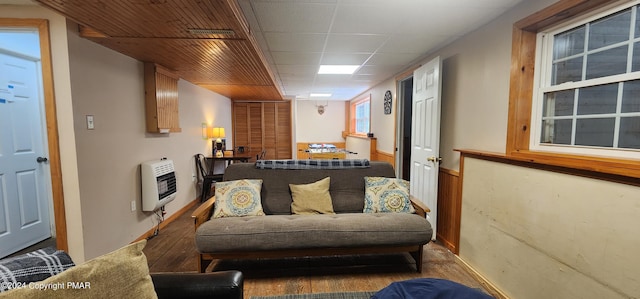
[133, 206]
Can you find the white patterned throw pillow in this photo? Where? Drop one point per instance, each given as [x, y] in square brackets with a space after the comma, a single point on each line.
[238, 198]
[386, 195]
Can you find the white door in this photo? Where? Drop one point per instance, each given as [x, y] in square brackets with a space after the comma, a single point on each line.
[425, 137]
[24, 200]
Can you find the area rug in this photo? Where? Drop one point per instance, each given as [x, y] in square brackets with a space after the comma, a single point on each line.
[342, 295]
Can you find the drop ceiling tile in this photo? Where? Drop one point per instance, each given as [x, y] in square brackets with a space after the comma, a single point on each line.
[295, 42]
[415, 44]
[365, 18]
[304, 58]
[355, 43]
[294, 17]
[297, 69]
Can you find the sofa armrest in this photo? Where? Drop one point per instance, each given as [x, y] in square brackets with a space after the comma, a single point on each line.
[203, 212]
[223, 284]
[421, 208]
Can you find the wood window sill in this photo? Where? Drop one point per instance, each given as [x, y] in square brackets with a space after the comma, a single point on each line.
[615, 170]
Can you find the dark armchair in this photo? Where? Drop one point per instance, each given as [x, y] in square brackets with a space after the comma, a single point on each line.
[222, 285]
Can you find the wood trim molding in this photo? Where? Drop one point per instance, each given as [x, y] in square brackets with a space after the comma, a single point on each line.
[386, 157]
[167, 221]
[490, 287]
[589, 168]
[55, 165]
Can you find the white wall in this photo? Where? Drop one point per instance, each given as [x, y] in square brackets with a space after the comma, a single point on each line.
[539, 234]
[313, 127]
[110, 86]
[382, 125]
[64, 111]
[533, 233]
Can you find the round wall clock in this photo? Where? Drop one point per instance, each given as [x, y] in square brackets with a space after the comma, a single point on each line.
[387, 102]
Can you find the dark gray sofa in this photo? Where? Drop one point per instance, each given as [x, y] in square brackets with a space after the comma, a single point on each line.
[280, 234]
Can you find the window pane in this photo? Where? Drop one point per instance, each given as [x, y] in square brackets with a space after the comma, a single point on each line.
[567, 71]
[569, 43]
[595, 131]
[631, 96]
[610, 30]
[629, 132]
[606, 63]
[637, 24]
[636, 58]
[362, 117]
[556, 131]
[598, 99]
[558, 103]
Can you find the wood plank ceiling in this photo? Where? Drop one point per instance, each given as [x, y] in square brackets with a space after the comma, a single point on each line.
[159, 31]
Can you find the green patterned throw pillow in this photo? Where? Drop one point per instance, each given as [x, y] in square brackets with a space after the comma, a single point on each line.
[238, 198]
[386, 195]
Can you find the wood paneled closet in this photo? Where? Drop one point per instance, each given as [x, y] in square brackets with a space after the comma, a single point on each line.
[262, 126]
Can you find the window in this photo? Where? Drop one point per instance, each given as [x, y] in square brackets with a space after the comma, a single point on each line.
[360, 116]
[526, 99]
[588, 98]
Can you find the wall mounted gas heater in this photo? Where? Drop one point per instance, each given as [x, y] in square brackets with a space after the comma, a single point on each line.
[159, 185]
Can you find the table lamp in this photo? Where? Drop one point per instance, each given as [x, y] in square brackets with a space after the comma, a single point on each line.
[216, 142]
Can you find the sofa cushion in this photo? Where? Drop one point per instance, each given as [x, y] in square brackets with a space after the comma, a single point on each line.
[386, 195]
[238, 198]
[123, 273]
[346, 189]
[279, 232]
[314, 198]
[33, 266]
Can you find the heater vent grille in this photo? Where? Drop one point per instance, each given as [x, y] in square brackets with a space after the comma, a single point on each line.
[211, 31]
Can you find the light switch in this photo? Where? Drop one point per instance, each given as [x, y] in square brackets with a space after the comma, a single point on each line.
[90, 124]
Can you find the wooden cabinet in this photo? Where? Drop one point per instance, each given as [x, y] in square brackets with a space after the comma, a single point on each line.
[161, 99]
[263, 126]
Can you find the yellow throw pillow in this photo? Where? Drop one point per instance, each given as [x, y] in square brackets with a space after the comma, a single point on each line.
[238, 198]
[312, 198]
[123, 273]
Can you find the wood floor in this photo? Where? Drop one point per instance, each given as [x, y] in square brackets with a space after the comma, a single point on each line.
[173, 250]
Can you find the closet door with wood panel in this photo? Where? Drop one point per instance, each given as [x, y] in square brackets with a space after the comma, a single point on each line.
[283, 127]
[263, 126]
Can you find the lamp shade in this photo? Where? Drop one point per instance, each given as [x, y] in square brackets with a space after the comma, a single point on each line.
[216, 133]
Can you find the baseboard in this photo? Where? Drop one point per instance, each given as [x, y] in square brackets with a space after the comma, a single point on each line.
[497, 293]
[169, 220]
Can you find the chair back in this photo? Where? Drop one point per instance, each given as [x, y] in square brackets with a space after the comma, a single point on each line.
[261, 155]
[201, 167]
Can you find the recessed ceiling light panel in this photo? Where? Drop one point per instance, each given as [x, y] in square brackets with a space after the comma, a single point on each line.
[338, 69]
[319, 95]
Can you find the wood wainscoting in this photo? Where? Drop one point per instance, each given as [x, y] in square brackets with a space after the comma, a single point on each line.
[384, 157]
[449, 209]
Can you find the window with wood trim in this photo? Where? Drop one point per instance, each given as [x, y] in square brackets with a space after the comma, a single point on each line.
[536, 116]
[360, 116]
[587, 100]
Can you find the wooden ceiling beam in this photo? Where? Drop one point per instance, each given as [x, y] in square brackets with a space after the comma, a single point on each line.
[158, 31]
